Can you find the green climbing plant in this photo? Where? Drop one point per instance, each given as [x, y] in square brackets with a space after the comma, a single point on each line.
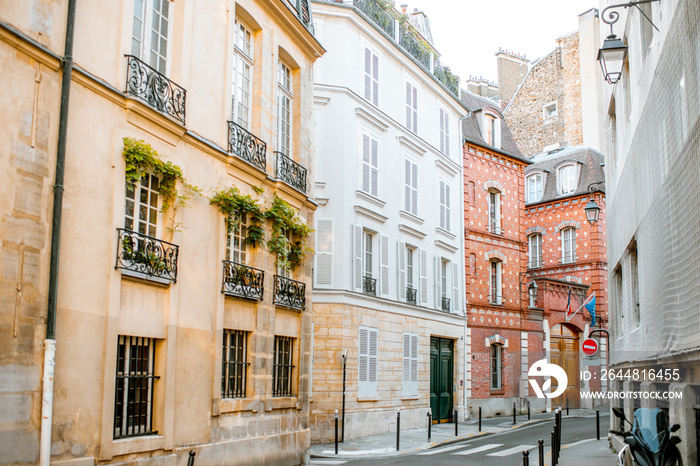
[231, 203]
[289, 253]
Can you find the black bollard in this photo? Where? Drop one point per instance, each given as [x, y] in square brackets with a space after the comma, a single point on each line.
[526, 458]
[456, 423]
[514, 421]
[597, 424]
[540, 445]
[567, 405]
[554, 445]
[336, 431]
[479, 418]
[190, 461]
[430, 424]
[398, 428]
[528, 410]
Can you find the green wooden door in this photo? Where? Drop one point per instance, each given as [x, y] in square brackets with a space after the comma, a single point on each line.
[441, 378]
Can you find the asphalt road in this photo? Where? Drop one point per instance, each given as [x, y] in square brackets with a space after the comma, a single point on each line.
[493, 450]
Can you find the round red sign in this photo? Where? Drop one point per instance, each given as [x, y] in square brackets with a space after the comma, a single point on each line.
[590, 347]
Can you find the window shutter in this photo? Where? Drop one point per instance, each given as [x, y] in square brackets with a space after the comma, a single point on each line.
[375, 80]
[324, 253]
[374, 167]
[357, 258]
[414, 363]
[362, 360]
[384, 265]
[402, 271]
[368, 74]
[447, 207]
[442, 131]
[409, 110]
[406, 361]
[456, 301]
[407, 185]
[365, 163]
[415, 110]
[372, 360]
[438, 284]
[447, 134]
[414, 198]
[423, 276]
[442, 204]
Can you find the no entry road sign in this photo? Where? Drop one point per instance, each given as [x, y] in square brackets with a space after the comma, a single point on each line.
[589, 347]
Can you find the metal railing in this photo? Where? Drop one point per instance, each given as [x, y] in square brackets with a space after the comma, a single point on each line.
[495, 230]
[446, 76]
[496, 299]
[377, 14]
[369, 286]
[247, 146]
[411, 295]
[146, 255]
[153, 88]
[414, 47]
[291, 172]
[242, 281]
[445, 304]
[535, 263]
[568, 258]
[289, 293]
[303, 12]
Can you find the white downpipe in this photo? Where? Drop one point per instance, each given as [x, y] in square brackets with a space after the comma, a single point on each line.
[47, 403]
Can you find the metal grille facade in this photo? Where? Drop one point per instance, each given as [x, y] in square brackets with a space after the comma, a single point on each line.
[234, 364]
[133, 399]
[283, 367]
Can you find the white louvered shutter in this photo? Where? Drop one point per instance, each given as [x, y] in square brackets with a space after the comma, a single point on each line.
[415, 110]
[438, 284]
[414, 364]
[402, 271]
[442, 204]
[375, 80]
[406, 361]
[368, 74]
[442, 131]
[362, 362]
[324, 266]
[357, 258]
[374, 183]
[409, 109]
[372, 360]
[366, 163]
[423, 277]
[384, 265]
[447, 207]
[456, 297]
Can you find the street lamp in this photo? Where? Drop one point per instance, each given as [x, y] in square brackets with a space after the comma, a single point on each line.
[613, 53]
[532, 292]
[592, 209]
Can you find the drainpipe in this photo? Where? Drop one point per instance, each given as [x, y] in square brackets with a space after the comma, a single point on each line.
[50, 342]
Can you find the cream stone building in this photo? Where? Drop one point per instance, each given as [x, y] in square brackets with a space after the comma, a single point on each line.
[389, 271]
[172, 335]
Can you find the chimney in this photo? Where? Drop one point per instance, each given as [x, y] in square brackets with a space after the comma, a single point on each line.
[403, 9]
[512, 69]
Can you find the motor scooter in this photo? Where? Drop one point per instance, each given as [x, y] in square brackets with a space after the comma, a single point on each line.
[650, 442]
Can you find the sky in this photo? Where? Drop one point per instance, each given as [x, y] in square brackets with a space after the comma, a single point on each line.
[468, 33]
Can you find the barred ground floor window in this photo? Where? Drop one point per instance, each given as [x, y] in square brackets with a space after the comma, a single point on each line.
[134, 387]
[283, 366]
[234, 364]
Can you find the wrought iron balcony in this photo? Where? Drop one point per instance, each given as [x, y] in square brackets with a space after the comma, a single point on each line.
[243, 281]
[148, 85]
[291, 172]
[146, 256]
[445, 304]
[377, 14]
[411, 295]
[290, 293]
[535, 263]
[369, 286]
[445, 76]
[415, 48]
[247, 146]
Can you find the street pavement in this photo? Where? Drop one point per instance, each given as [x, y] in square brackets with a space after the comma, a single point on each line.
[500, 442]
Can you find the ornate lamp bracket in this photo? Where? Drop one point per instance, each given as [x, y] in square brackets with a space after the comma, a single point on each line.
[611, 17]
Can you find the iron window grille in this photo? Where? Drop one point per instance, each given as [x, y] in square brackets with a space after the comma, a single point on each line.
[283, 367]
[291, 172]
[535, 263]
[496, 366]
[245, 145]
[234, 364]
[134, 387]
[496, 299]
[153, 88]
[369, 286]
[146, 255]
[445, 304]
[411, 295]
[495, 229]
[243, 281]
[568, 257]
[290, 293]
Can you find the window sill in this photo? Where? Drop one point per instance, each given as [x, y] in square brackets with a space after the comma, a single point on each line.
[282, 402]
[368, 398]
[143, 277]
[368, 197]
[125, 446]
[497, 391]
[445, 233]
[233, 405]
[409, 397]
[410, 216]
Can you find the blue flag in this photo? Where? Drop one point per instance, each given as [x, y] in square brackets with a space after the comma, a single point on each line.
[590, 307]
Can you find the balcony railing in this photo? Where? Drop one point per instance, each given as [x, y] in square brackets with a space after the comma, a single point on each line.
[414, 47]
[495, 230]
[411, 295]
[291, 172]
[535, 263]
[289, 293]
[369, 286]
[377, 14]
[247, 146]
[242, 281]
[496, 299]
[146, 256]
[568, 258]
[445, 75]
[148, 85]
[445, 304]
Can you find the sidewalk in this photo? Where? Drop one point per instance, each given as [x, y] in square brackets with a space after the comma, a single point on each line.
[414, 440]
[585, 453]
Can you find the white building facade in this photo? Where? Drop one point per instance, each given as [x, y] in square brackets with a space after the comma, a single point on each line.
[389, 272]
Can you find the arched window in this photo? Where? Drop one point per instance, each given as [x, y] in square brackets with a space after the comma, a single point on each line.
[496, 366]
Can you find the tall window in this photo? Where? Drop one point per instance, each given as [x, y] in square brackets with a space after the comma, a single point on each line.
[367, 254]
[234, 360]
[235, 238]
[495, 212]
[619, 312]
[410, 364]
[149, 39]
[141, 210]
[535, 250]
[371, 77]
[568, 245]
[410, 181]
[411, 107]
[496, 366]
[567, 179]
[283, 366]
[134, 387]
[370, 165]
[534, 188]
[490, 130]
[444, 133]
[367, 362]
[444, 267]
[242, 72]
[444, 205]
[495, 280]
[284, 104]
[634, 278]
[410, 268]
[281, 271]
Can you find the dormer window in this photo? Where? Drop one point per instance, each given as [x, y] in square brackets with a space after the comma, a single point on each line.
[491, 130]
[534, 187]
[567, 179]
